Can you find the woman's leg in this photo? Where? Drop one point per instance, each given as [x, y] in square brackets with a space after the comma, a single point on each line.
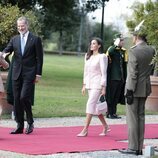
[84, 132]
[88, 121]
[102, 119]
[90, 109]
[105, 125]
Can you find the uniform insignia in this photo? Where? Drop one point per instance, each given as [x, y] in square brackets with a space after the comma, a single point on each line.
[133, 46]
[124, 49]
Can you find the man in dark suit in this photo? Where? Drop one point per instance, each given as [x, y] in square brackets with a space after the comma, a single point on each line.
[116, 76]
[26, 71]
[137, 89]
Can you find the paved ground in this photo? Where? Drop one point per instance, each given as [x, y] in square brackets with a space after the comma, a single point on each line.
[73, 121]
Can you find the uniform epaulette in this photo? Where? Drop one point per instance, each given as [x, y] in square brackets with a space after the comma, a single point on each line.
[124, 49]
[107, 52]
[110, 47]
[133, 46]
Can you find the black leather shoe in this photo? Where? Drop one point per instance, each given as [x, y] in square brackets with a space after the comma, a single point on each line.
[29, 129]
[114, 116]
[156, 149]
[17, 131]
[107, 115]
[139, 152]
[128, 151]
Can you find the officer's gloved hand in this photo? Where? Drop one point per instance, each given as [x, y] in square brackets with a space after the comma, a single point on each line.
[129, 96]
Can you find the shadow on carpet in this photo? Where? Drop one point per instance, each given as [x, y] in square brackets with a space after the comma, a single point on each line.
[44, 141]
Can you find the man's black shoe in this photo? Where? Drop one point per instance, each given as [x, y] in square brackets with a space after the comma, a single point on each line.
[29, 129]
[17, 131]
[128, 151]
[139, 152]
[156, 149]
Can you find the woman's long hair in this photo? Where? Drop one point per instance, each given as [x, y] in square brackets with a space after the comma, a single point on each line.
[90, 52]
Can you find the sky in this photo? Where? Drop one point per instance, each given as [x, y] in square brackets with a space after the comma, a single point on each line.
[113, 11]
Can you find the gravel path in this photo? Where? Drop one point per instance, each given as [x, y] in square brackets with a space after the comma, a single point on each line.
[79, 121]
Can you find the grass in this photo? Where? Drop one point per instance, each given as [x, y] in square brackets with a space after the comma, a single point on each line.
[59, 91]
[58, 94]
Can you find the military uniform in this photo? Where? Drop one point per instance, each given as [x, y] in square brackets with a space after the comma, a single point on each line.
[138, 81]
[116, 76]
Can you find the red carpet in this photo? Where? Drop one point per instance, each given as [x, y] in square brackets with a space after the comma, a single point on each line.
[63, 139]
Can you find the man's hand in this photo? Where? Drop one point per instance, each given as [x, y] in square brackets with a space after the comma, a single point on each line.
[37, 78]
[129, 96]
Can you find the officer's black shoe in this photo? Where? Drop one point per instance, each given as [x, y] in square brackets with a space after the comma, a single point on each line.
[107, 115]
[139, 152]
[116, 116]
[128, 151]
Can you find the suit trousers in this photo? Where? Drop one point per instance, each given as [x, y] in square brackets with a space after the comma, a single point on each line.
[136, 123]
[22, 90]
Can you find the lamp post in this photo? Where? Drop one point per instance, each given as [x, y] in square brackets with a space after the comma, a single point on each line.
[102, 22]
[80, 32]
[82, 14]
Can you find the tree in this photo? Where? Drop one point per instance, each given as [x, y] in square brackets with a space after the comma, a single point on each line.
[92, 5]
[25, 4]
[149, 13]
[8, 16]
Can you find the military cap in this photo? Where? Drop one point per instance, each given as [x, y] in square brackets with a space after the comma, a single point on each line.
[118, 35]
[140, 30]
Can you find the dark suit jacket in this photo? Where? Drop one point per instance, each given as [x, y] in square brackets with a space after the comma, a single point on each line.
[9, 88]
[30, 64]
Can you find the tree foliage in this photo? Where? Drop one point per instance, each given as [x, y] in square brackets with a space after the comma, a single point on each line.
[8, 16]
[92, 5]
[22, 4]
[149, 13]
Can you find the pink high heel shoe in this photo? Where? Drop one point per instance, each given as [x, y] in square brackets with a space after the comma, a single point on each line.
[83, 133]
[105, 131]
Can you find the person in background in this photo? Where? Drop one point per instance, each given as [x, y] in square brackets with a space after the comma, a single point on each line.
[26, 71]
[137, 89]
[117, 72]
[94, 79]
[4, 65]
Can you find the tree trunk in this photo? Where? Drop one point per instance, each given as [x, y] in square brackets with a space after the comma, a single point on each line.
[60, 42]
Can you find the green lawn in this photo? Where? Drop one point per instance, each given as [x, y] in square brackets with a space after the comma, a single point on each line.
[59, 91]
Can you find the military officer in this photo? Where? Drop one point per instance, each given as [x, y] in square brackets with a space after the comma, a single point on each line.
[117, 56]
[137, 89]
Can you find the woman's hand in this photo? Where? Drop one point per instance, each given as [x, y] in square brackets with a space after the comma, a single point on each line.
[84, 89]
[103, 91]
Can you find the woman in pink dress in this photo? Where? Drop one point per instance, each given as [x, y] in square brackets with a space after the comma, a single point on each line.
[94, 80]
